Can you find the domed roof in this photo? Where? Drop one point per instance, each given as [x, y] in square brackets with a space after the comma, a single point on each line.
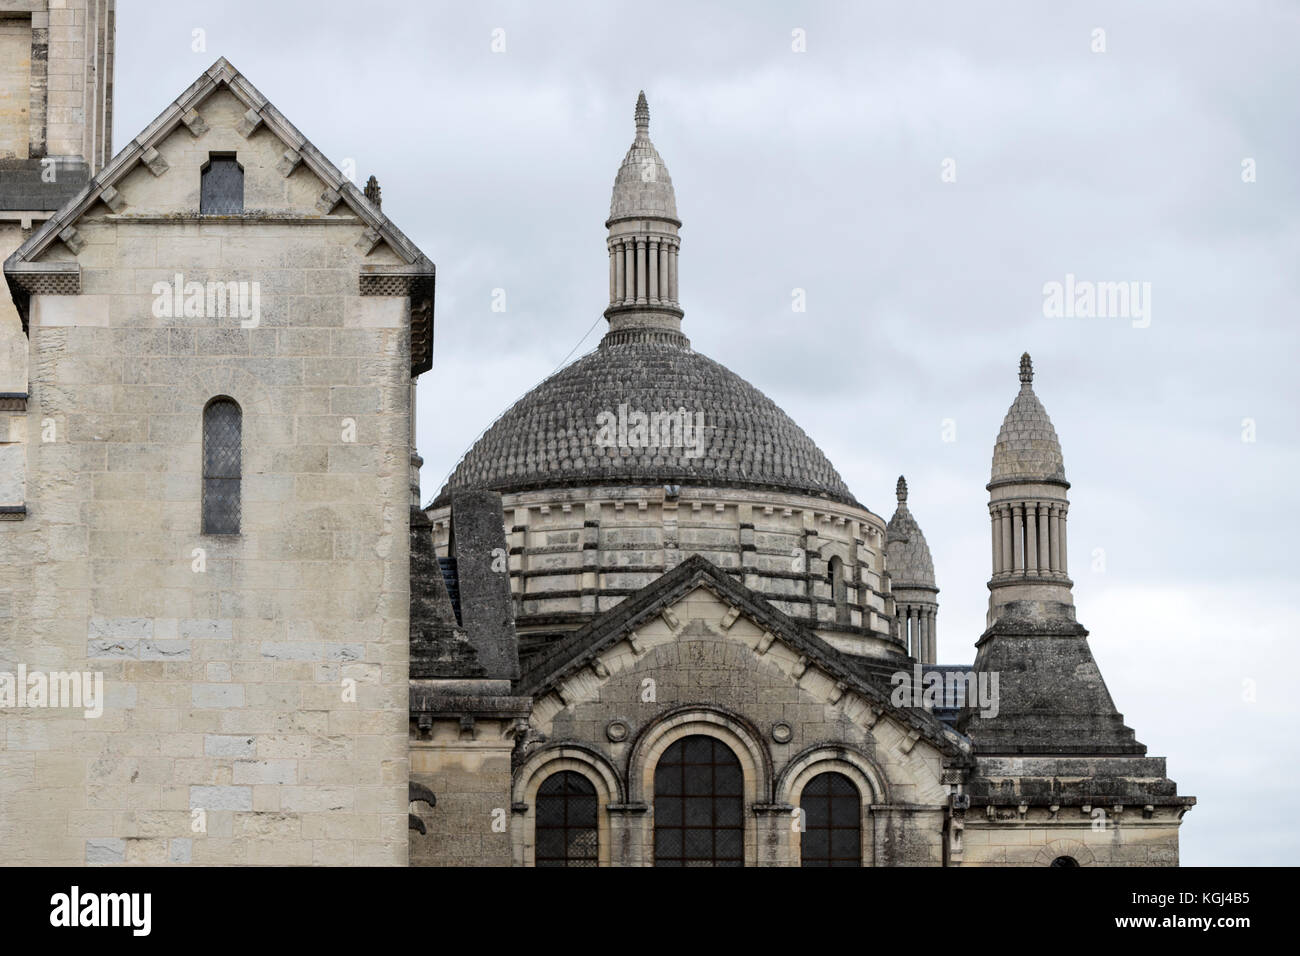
[1027, 448]
[910, 564]
[579, 427]
[642, 186]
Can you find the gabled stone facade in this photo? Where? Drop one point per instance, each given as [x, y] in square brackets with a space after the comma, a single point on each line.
[255, 683]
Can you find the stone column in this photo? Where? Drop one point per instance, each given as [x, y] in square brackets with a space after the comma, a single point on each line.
[620, 272]
[653, 288]
[640, 272]
[996, 518]
[629, 285]
[1055, 524]
[672, 275]
[1044, 540]
[1031, 538]
[628, 823]
[1065, 561]
[934, 635]
[773, 834]
[665, 294]
[1007, 551]
[1018, 537]
[613, 274]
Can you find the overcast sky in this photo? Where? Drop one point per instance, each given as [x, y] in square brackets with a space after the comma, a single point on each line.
[822, 170]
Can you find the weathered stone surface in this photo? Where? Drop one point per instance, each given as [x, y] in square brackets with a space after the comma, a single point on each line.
[260, 672]
[549, 438]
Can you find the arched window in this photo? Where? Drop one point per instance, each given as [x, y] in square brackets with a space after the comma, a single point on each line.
[699, 805]
[221, 186]
[1065, 861]
[222, 454]
[832, 822]
[566, 821]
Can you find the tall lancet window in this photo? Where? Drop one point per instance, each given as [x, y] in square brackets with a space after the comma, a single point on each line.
[221, 189]
[223, 425]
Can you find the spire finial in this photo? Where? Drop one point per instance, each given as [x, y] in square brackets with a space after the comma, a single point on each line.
[372, 192]
[1026, 369]
[901, 490]
[642, 113]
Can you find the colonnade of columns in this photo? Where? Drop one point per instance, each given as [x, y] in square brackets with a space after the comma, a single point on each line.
[1029, 538]
[642, 270]
[917, 629]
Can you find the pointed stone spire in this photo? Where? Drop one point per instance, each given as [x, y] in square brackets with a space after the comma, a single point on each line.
[642, 117]
[643, 243]
[1027, 448]
[372, 192]
[911, 575]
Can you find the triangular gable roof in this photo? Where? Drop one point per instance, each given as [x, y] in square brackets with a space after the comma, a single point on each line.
[416, 278]
[583, 646]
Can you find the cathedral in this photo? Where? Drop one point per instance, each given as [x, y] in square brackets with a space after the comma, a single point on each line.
[644, 623]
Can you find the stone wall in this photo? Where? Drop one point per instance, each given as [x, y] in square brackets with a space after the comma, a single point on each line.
[256, 684]
[15, 85]
[578, 552]
[697, 669]
[1039, 836]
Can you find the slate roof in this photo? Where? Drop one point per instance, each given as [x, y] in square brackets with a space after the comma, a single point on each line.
[910, 564]
[551, 437]
[1027, 448]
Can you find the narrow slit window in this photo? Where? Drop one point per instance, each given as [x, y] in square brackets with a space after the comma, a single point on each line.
[223, 424]
[221, 191]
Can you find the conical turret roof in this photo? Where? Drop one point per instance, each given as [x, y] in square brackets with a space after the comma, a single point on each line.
[642, 186]
[1027, 448]
[910, 564]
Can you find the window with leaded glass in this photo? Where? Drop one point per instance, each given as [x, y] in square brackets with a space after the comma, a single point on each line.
[832, 822]
[221, 186]
[222, 455]
[566, 821]
[699, 805]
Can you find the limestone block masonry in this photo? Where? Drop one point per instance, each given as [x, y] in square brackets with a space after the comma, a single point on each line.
[256, 683]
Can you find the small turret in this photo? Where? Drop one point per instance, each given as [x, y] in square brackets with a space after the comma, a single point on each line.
[643, 245]
[1028, 507]
[911, 572]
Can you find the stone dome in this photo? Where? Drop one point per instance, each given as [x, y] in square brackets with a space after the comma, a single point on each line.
[910, 564]
[577, 428]
[642, 186]
[1027, 448]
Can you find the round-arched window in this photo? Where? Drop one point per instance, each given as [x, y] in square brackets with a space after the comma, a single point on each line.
[699, 805]
[832, 822]
[566, 829]
[1065, 861]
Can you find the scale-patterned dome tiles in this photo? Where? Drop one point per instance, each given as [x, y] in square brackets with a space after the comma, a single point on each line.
[555, 436]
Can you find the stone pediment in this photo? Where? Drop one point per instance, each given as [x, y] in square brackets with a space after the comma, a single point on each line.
[314, 190]
[697, 599]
